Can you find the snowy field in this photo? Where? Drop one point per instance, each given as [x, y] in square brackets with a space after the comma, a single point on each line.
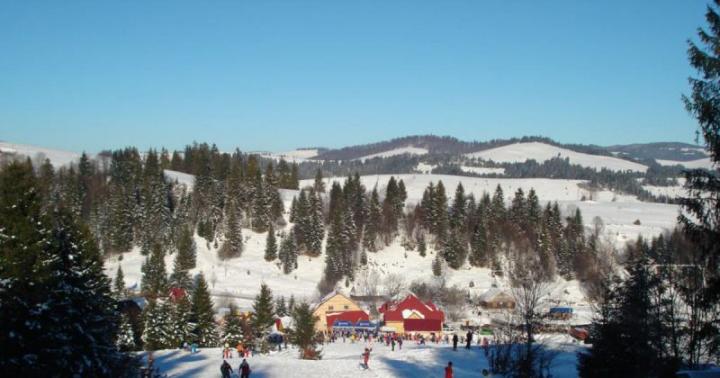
[57, 157]
[343, 360]
[705, 163]
[397, 151]
[520, 152]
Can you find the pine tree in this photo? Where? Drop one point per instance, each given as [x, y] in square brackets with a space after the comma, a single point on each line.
[53, 290]
[263, 316]
[120, 288]
[158, 327]
[455, 250]
[478, 246]
[233, 328]
[233, 245]
[440, 218]
[372, 230]
[458, 214]
[304, 333]
[422, 245]
[181, 318]
[280, 307]
[319, 184]
[271, 249]
[288, 253]
[437, 266]
[126, 336]
[261, 206]
[316, 233]
[205, 331]
[186, 250]
[291, 304]
[700, 220]
[154, 279]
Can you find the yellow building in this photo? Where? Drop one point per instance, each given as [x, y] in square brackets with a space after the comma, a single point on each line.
[334, 306]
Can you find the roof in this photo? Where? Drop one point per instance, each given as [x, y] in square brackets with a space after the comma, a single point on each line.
[411, 304]
[492, 293]
[348, 316]
[330, 296]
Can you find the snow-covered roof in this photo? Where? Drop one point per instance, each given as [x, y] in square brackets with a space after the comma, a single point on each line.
[492, 293]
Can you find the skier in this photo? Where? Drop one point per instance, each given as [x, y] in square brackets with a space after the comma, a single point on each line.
[469, 339]
[449, 370]
[392, 342]
[366, 358]
[485, 345]
[226, 369]
[400, 341]
[455, 341]
[244, 369]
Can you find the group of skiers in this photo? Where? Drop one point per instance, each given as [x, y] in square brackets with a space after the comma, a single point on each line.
[243, 351]
[243, 369]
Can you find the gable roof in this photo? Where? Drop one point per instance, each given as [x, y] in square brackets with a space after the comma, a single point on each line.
[493, 293]
[411, 304]
[332, 295]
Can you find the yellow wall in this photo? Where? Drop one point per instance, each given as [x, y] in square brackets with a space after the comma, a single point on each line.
[336, 303]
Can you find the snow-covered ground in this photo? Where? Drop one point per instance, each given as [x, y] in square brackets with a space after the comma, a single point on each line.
[341, 360]
[57, 157]
[181, 178]
[705, 163]
[483, 170]
[411, 150]
[520, 152]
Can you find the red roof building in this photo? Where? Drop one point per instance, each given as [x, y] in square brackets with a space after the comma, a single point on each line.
[345, 316]
[412, 315]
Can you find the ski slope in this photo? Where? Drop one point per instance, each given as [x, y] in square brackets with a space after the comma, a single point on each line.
[520, 152]
[57, 157]
[343, 360]
[397, 151]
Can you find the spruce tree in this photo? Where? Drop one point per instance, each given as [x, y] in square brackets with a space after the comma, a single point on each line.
[700, 220]
[304, 335]
[288, 253]
[319, 184]
[126, 336]
[271, 249]
[478, 246]
[316, 232]
[263, 316]
[458, 214]
[455, 250]
[186, 250]
[205, 331]
[280, 307]
[181, 318]
[233, 245]
[52, 288]
[437, 266]
[422, 245]
[232, 331]
[154, 276]
[372, 230]
[120, 288]
[158, 327]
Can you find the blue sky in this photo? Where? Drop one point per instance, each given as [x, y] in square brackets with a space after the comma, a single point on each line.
[275, 75]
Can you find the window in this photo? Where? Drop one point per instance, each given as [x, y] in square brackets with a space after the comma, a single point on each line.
[346, 307]
[331, 308]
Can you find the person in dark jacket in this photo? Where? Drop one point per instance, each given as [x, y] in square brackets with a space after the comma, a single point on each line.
[468, 340]
[455, 341]
[244, 369]
[226, 369]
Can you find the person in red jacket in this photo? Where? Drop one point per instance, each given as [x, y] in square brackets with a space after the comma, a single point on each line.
[366, 357]
[449, 370]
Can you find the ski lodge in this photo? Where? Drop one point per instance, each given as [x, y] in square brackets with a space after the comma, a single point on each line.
[339, 311]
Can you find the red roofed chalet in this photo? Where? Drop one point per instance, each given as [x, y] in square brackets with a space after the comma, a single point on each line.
[411, 315]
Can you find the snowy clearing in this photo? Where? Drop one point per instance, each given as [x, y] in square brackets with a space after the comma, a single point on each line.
[483, 170]
[181, 178]
[704, 163]
[57, 157]
[520, 152]
[341, 360]
[397, 151]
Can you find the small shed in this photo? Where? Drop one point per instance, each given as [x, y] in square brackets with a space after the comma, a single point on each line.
[496, 298]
